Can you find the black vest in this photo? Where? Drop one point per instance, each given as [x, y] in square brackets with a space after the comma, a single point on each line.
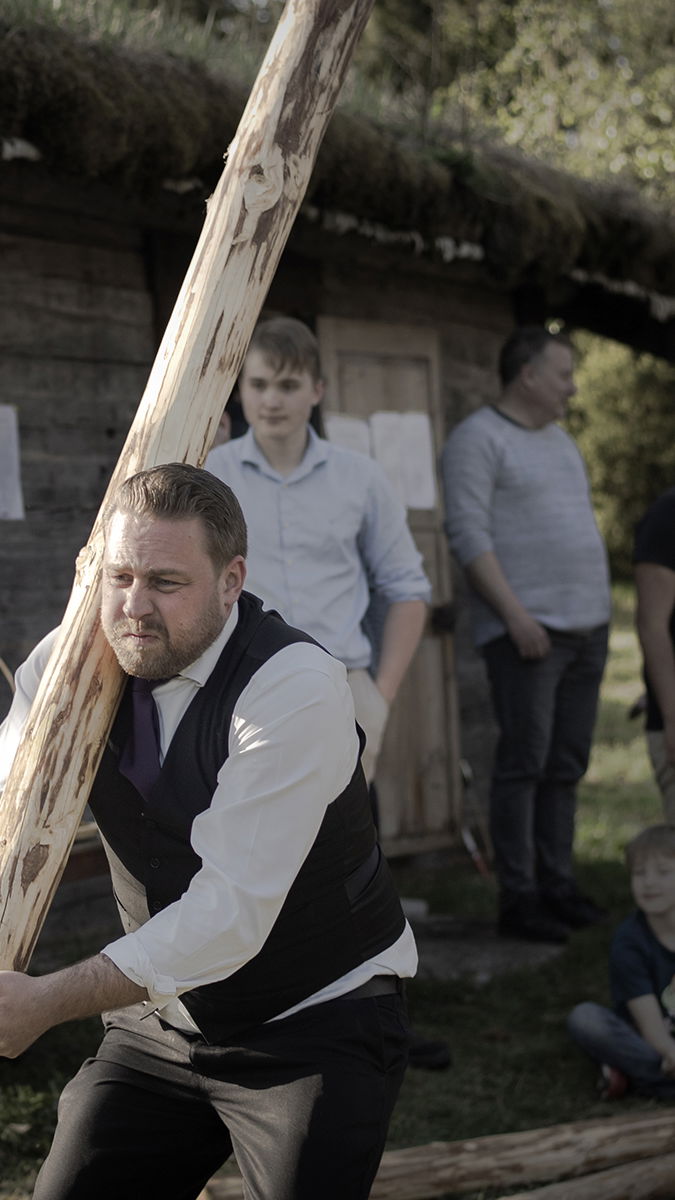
[342, 907]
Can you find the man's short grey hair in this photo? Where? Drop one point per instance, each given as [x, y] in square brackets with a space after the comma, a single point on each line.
[524, 344]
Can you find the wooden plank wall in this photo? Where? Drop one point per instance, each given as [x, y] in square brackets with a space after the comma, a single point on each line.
[86, 286]
[77, 339]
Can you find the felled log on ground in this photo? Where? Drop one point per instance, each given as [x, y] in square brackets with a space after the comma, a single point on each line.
[649, 1179]
[249, 218]
[535, 1155]
[507, 1159]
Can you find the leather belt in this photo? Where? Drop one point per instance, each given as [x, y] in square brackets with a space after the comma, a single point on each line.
[379, 985]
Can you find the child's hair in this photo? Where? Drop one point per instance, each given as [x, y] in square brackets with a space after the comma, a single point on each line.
[286, 342]
[657, 839]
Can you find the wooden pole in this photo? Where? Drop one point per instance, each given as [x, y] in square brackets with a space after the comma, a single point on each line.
[509, 1159]
[248, 221]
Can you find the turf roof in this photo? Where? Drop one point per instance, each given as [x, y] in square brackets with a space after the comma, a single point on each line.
[97, 110]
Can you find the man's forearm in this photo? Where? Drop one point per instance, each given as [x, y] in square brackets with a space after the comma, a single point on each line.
[30, 1005]
[485, 574]
[650, 1023]
[659, 659]
[655, 587]
[403, 628]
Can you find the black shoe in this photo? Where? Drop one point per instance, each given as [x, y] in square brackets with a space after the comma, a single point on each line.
[428, 1056]
[528, 921]
[574, 909]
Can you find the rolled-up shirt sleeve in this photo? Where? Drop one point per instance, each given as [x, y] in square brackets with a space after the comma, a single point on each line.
[392, 561]
[293, 748]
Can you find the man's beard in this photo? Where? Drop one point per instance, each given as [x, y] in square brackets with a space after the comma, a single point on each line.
[161, 658]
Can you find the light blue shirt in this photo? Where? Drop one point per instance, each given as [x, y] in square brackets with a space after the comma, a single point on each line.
[322, 538]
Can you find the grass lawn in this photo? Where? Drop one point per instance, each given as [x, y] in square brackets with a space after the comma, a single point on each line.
[513, 1067]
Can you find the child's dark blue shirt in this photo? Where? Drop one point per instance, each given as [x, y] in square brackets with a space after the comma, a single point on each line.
[640, 965]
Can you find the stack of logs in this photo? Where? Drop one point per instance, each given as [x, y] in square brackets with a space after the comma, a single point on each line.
[622, 1158]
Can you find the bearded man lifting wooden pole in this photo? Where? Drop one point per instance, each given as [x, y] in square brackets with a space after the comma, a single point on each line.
[254, 1004]
[249, 218]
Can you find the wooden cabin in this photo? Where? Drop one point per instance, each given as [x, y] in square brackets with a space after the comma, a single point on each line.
[412, 269]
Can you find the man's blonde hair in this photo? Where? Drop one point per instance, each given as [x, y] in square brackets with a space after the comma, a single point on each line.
[179, 492]
[657, 839]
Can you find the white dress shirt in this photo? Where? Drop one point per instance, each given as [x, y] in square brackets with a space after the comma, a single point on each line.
[292, 749]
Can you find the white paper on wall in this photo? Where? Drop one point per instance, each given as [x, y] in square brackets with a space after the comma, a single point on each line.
[403, 446]
[385, 430]
[11, 498]
[351, 432]
[418, 463]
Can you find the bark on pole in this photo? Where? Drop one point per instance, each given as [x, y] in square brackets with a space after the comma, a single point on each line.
[248, 221]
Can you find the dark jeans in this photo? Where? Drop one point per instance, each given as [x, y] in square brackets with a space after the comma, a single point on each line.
[303, 1103]
[546, 712]
[609, 1039]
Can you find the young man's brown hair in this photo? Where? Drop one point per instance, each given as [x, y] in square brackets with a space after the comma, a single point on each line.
[285, 342]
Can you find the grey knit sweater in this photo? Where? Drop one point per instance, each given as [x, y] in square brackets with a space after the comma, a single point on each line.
[523, 494]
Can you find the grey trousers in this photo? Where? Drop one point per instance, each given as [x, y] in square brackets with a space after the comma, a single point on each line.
[303, 1102]
[546, 711]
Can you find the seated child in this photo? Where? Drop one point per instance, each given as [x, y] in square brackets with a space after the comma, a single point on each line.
[635, 1042]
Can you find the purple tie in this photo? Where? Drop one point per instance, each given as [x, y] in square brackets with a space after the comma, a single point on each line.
[139, 760]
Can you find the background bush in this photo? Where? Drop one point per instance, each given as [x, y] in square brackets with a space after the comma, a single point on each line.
[623, 418]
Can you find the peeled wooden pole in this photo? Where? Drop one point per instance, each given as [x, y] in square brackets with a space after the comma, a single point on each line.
[248, 222]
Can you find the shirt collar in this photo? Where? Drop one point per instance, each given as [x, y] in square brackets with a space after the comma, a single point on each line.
[199, 671]
[315, 454]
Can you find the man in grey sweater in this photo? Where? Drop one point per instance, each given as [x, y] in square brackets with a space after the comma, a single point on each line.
[520, 522]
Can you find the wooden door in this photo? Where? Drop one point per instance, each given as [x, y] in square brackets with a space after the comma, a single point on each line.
[374, 368]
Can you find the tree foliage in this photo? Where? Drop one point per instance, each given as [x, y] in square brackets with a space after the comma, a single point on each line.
[588, 85]
[623, 419]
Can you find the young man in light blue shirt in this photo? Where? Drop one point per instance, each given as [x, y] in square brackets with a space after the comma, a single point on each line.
[327, 534]
[326, 531]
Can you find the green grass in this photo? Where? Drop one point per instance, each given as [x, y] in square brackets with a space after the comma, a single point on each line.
[513, 1066]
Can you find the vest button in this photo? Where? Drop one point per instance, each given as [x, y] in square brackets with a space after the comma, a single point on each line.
[154, 862]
